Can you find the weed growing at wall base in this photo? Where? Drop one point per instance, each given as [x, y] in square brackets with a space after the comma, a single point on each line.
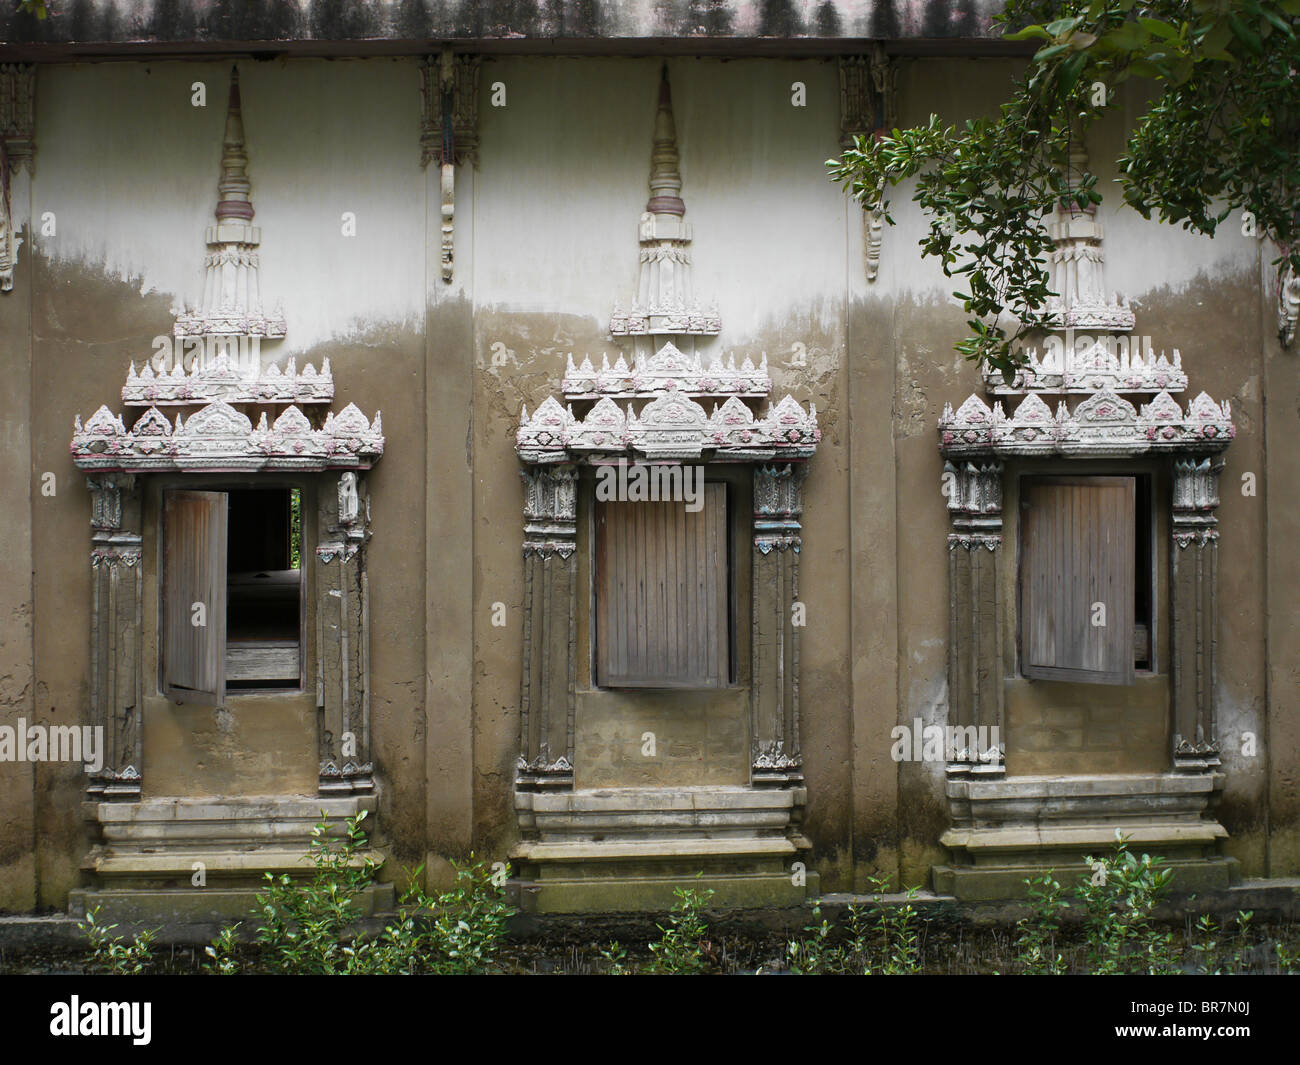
[108, 952]
[313, 926]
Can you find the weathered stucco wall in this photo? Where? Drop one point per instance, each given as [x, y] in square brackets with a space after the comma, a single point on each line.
[366, 21]
[545, 244]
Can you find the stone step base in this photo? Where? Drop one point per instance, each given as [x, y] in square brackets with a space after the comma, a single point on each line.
[630, 891]
[158, 844]
[194, 907]
[997, 883]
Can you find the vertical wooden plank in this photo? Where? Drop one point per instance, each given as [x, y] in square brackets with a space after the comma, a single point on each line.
[722, 616]
[1077, 552]
[194, 572]
[601, 579]
[662, 593]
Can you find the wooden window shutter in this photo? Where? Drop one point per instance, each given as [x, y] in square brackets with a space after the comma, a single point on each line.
[662, 604]
[1077, 569]
[194, 572]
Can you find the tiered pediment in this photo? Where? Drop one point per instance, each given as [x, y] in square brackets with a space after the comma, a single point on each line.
[219, 437]
[225, 373]
[667, 370]
[1107, 363]
[671, 423]
[1103, 425]
[671, 317]
[222, 380]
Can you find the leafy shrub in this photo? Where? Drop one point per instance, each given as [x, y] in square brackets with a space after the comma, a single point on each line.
[305, 924]
[310, 927]
[680, 950]
[1036, 935]
[1118, 899]
[108, 952]
[898, 936]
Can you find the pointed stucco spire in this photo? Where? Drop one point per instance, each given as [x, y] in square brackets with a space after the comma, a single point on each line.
[665, 175]
[231, 319]
[234, 185]
[1078, 261]
[665, 304]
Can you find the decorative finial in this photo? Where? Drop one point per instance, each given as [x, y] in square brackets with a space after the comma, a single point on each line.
[665, 177]
[233, 188]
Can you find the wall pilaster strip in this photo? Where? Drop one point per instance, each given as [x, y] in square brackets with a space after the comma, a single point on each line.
[778, 507]
[975, 696]
[116, 680]
[1193, 579]
[548, 687]
[343, 640]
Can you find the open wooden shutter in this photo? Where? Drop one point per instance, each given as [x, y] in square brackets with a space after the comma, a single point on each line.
[194, 572]
[662, 607]
[1077, 558]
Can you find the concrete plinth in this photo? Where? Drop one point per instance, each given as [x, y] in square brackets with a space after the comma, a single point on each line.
[628, 849]
[1007, 830]
[198, 860]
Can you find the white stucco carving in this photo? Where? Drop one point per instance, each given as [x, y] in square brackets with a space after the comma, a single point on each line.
[868, 103]
[1103, 425]
[665, 303]
[1077, 366]
[1288, 304]
[210, 432]
[222, 380]
[17, 151]
[220, 437]
[232, 290]
[672, 424]
[665, 370]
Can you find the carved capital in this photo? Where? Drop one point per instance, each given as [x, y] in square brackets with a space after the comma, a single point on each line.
[974, 494]
[868, 94]
[449, 109]
[550, 510]
[18, 115]
[1195, 499]
[351, 778]
[17, 151]
[106, 492]
[778, 506]
[973, 490]
[1288, 303]
[1196, 756]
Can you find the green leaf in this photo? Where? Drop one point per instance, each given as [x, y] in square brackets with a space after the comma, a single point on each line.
[1158, 29]
[1070, 70]
[1277, 21]
[1246, 35]
[1027, 33]
[1055, 29]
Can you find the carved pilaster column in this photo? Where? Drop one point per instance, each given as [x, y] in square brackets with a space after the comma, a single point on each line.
[975, 697]
[547, 695]
[115, 628]
[1194, 558]
[17, 151]
[343, 639]
[868, 104]
[449, 132]
[774, 681]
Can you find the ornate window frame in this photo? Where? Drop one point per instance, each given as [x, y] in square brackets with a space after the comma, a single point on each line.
[233, 417]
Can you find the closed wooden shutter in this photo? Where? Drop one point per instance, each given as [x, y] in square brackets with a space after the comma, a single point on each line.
[193, 574]
[1076, 578]
[662, 606]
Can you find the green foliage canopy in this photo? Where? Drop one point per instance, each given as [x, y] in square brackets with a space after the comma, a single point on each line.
[1220, 137]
